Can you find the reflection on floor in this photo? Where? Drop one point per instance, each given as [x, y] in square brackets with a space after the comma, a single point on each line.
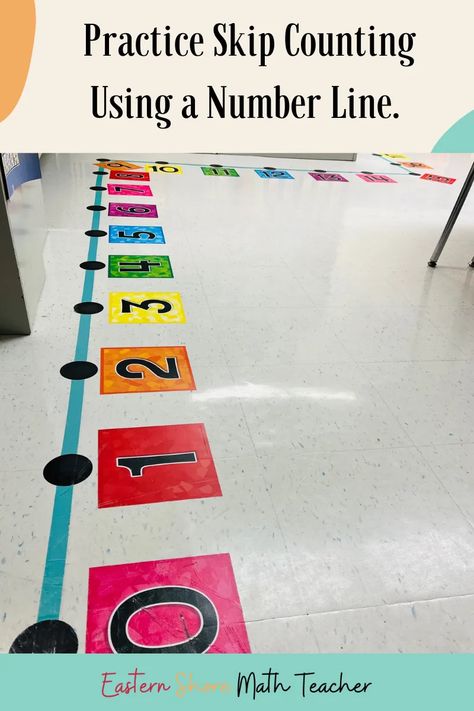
[262, 434]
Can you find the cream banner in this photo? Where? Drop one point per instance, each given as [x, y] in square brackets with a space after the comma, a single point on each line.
[248, 76]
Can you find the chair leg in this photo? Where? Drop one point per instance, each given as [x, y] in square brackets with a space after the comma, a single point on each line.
[452, 219]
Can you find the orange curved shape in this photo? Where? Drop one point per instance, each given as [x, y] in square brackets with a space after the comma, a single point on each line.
[17, 34]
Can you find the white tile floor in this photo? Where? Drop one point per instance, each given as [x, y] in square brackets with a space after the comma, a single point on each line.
[334, 379]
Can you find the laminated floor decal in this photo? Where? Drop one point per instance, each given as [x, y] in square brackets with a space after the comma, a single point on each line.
[153, 369]
[279, 174]
[329, 177]
[146, 307]
[129, 234]
[133, 266]
[230, 172]
[164, 169]
[129, 175]
[376, 178]
[117, 165]
[118, 189]
[144, 465]
[132, 209]
[438, 178]
[181, 605]
[395, 156]
[414, 164]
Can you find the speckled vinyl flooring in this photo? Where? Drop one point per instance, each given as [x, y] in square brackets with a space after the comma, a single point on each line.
[334, 379]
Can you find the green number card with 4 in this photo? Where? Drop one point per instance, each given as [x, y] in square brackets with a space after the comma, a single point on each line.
[140, 266]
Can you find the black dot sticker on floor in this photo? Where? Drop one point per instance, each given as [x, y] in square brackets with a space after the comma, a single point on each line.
[377, 154]
[99, 172]
[97, 188]
[78, 370]
[319, 170]
[366, 172]
[96, 208]
[215, 165]
[88, 307]
[67, 470]
[394, 163]
[95, 233]
[268, 168]
[414, 173]
[161, 162]
[103, 160]
[92, 265]
[46, 637]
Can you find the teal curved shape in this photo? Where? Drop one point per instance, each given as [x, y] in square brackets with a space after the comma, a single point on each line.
[459, 138]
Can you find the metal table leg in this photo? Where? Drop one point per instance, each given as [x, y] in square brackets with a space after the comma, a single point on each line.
[452, 219]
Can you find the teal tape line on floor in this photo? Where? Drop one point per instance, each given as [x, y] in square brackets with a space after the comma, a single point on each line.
[55, 564]
[253, 167]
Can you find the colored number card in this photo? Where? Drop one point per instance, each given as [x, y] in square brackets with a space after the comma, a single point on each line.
[438, 179]
[127, 189]
[132, 209]
[414, 164]
[136, 176]
[376, 178]
[129, 234]
[181, 605]
[395, 156]
[146, 307]
[117, 165]
[152, 369]
[209, 170]
[164, 169]
[279, 174]
[144, 465]
[329, 177]
[140, 266]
